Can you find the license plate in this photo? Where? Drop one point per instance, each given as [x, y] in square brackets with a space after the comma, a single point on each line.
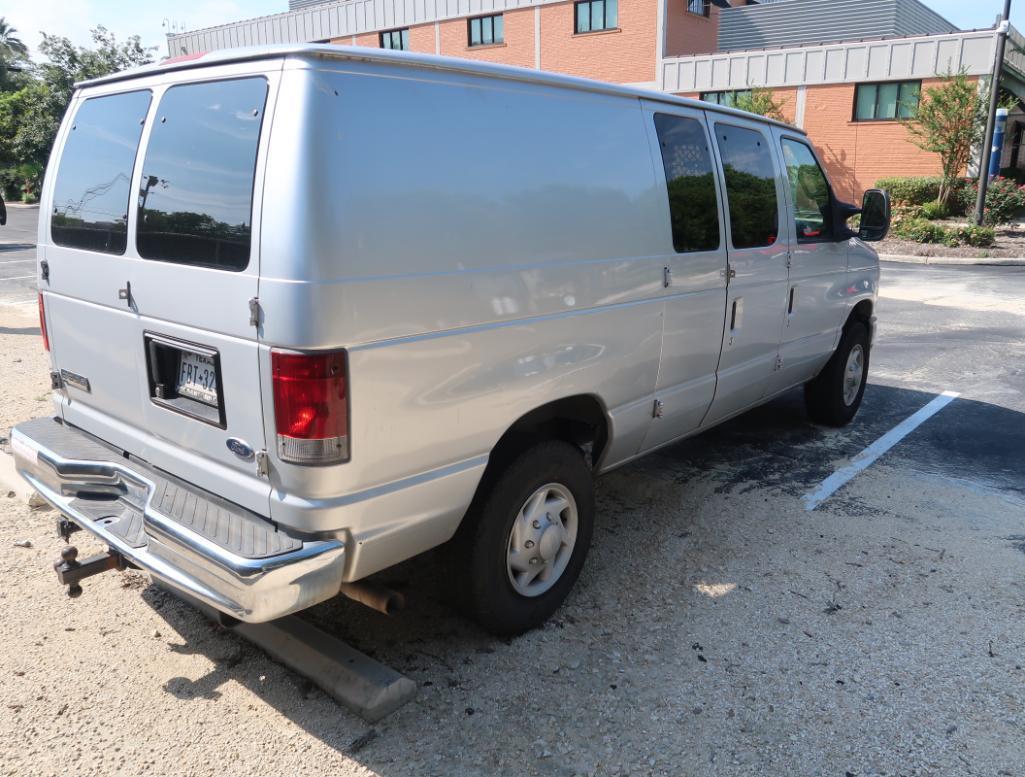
[197, 378]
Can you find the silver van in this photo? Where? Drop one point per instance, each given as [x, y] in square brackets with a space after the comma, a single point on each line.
[314, 310]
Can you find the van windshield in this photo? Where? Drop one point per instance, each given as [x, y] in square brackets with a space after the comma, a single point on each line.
[196, 192]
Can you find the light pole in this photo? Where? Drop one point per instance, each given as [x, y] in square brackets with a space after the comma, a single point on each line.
[994, 99]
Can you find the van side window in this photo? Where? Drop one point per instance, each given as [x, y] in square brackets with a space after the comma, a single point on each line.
[809, 192]
[196, 196]
[750, 186]
[690, 180]
[94, 181]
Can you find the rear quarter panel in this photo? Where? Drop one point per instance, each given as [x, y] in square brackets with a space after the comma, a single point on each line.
[480, 246]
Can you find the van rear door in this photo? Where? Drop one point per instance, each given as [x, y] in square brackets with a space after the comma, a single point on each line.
[169, 323]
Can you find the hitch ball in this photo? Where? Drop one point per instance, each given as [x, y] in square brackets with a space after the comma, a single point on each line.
[70, 571]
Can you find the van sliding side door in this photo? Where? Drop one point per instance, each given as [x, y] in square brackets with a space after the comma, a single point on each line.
[694, 278]
[757, 271]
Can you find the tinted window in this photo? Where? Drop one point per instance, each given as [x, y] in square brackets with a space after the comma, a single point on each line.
[196, 198]
[809, 192]
[395, 39]
[885, 102]
[688, 164]
[595, 15]
[750, 186]
[93, 189]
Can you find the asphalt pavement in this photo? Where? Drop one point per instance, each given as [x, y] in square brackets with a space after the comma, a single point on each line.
[18, 255]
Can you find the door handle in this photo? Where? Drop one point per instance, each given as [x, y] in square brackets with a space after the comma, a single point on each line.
[126, 293]
[737, 317]
[793, 300]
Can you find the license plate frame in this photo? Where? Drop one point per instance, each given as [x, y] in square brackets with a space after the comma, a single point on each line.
[197, 378]
[165, 357]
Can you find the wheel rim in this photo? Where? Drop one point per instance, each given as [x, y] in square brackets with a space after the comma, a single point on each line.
[853, 374]
[542, 540]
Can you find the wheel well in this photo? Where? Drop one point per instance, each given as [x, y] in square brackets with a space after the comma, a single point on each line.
[579, 420]
[862, 312]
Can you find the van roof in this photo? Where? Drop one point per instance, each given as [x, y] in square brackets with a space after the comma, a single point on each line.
[426, 61]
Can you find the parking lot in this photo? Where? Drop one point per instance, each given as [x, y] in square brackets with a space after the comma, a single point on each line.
[720, 627]
[18, 255]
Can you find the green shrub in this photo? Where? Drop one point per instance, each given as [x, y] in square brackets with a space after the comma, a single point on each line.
[933, 211]
[920, 230]
[971, 235]
[910, 190]
[1004, 199]
[923, 231]
[1016, 174]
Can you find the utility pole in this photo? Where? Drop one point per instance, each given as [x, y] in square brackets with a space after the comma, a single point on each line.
[994, 99]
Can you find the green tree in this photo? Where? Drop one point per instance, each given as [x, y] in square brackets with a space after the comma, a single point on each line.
[12, 52]
[759, 100]
[31, 115]
[69, 63]
[950, 122]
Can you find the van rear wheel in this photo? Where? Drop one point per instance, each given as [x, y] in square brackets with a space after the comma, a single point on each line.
[525, 539]
[833, 398]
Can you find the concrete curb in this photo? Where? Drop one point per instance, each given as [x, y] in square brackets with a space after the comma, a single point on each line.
[954, 260]
[10, 480]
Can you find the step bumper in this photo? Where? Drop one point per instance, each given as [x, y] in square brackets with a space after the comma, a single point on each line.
[233, 560]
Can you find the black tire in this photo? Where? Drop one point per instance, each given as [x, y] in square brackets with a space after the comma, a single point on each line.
[479, 551]
[824, 396]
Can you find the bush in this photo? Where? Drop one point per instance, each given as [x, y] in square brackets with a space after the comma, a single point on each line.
[923, 231]
[1004, 199]
[971, 235]
[933, 211]
[920, 230]
[911, 191]
[1016, 174]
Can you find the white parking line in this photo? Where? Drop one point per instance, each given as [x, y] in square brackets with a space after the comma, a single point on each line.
[865, 459]
[17, 278]
[16, 261]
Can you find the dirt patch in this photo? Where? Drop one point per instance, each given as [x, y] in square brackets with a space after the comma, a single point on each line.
[24, 369]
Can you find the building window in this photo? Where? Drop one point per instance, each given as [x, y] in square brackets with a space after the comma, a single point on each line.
[729, 99]
[486, 30]
[690, 182]
[395, 39]
[596, 15]
[750, 186]
[887, 102]
[700, 7]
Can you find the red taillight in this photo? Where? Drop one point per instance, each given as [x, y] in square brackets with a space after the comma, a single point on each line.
[42, 323]
[311, 407]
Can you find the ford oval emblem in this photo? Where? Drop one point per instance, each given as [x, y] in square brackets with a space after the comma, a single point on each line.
[240, 448]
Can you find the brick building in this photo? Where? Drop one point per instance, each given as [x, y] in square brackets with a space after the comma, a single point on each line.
[844, 70]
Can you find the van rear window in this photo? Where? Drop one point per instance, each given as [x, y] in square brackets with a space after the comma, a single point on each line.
[196, 194]
[93, 188]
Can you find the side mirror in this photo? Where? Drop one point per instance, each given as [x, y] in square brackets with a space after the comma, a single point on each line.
[875, 216]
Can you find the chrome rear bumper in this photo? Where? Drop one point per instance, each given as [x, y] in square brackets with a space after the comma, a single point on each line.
[233, 560]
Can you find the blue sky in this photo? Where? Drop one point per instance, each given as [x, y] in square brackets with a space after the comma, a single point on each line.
[74, 18]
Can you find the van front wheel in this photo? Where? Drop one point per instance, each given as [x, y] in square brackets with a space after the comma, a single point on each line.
[834, 397]
[525, 540]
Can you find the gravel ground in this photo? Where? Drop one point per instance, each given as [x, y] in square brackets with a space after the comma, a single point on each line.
[718, 628]
[1010, 244]
[714, 632]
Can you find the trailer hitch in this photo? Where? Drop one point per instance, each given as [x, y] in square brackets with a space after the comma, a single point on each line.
[70, 571]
